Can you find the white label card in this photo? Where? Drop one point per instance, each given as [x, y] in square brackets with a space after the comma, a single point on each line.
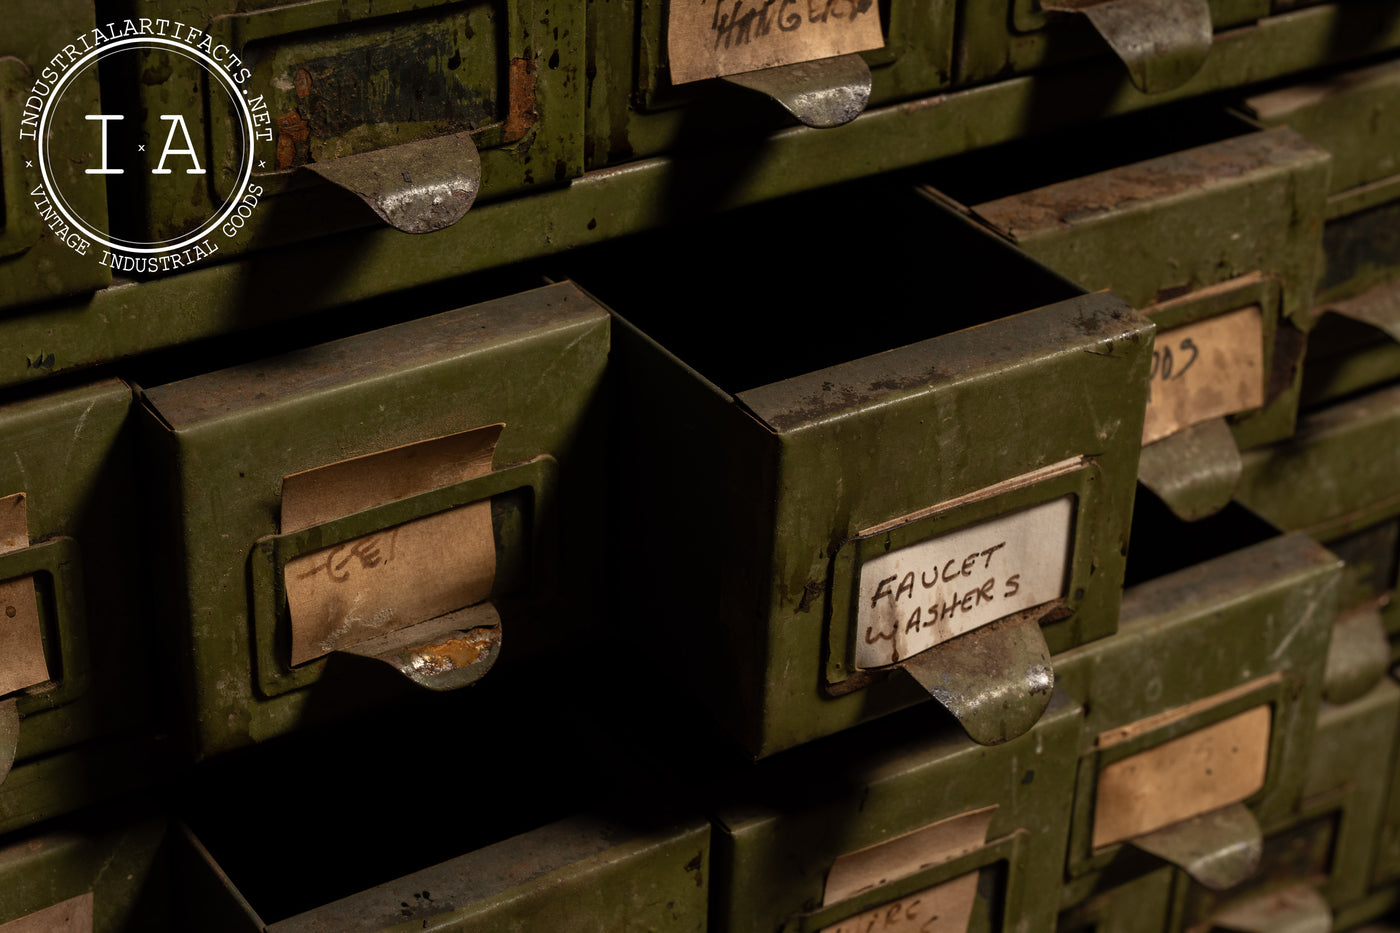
[1205, 370]
[924, 594]
[711, 38]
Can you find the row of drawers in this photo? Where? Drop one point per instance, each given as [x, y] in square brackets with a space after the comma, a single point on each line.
[561, 96]
[1169, 786]
[798, 530]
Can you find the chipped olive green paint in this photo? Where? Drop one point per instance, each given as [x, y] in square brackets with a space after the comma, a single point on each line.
[803, 473]
[220, 444]
[116, 855]
[1192, 635]
[35, 265]
[71, 454]
[1337, 475]
[334, 78]
[634, 112]
[1203, 216]
[206, 301]
[1350, 114]
[1330, 833]
[779, 829]
[1002, 37]
[1246, 210]
[584, 874]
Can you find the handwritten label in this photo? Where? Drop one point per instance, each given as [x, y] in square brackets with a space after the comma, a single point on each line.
[924, 594]
[944, 908]
[71, 916]
[1205, 370]
[1205, 770]
[22, 662]
[711, 38]
[381, 582]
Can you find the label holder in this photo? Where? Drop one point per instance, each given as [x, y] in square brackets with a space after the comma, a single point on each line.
[270, 555]
[56, 566]
[1272, 690]
[1083, 483]
[1010, 849]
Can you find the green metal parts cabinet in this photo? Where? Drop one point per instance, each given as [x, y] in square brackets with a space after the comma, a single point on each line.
[293, 492]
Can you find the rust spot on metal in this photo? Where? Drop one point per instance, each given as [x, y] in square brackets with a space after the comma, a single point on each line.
[292, 136]
[811, 590]
[459, 651]
[303, 82]
[521, 116]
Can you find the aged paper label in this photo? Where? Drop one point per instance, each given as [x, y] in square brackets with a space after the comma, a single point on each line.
[922, 595]
[1194, 774]
[943, 908]
[902, 856]
[1205, 370]
[711, 38]
[382, 582]
[71, 916]
[22, 661]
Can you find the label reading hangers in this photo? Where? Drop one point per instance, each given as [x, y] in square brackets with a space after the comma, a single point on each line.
[712, 38]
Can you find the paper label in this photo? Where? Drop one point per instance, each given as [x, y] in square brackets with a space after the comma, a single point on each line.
[382, 582]
[868, 868]
[944, 908]
[1210, 768]
[924, 594]
[711, 38]
[71, 916]
[1205, 370]
[22, 662]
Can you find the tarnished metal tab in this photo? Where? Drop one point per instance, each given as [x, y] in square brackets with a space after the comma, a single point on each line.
[1297, 909]
[1163, 42]
[1219, 849]
[1194, 471]
[1357, 656]
[416, 187]
[996, 679]
[824, 93]
[9, 735]
[446, 653]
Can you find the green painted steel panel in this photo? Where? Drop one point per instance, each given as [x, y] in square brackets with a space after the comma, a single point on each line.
[1329, 839]
[343, 78]
[276, 286]
[862, 414]
[1249, 628]
[220, 445]
[635, 112]
[36, 263]
[115, 858]
[1003, 37]
[779, 831]
[71, 454]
